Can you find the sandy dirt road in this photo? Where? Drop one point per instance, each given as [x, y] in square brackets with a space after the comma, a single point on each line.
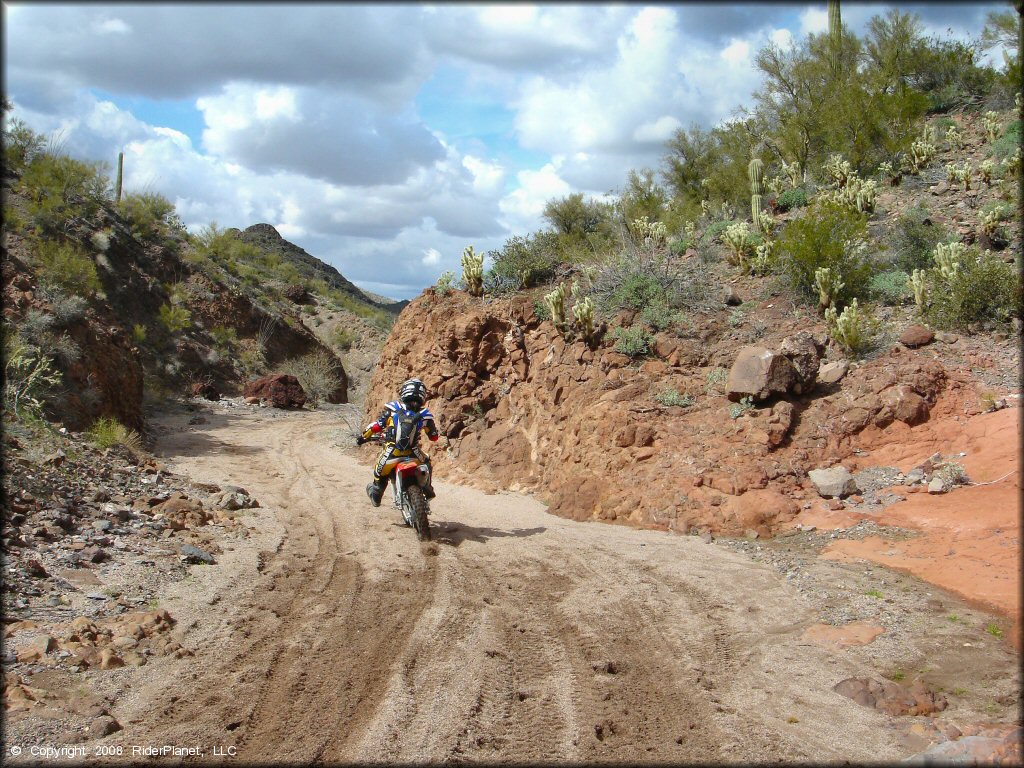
[516, 636]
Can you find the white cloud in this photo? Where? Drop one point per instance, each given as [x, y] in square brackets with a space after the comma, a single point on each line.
[782, 38]
[522, 208]
[111, 27]
[659, 130]
[431, 257]
[737, 52]
[813, 20]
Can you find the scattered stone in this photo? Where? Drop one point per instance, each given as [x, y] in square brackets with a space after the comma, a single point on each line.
[890, 697]
[916, 336]
[760, 373]
[103, 726]
[833, 482]
[35, 568]
[937, 485]
[831, 373]
[195, 555]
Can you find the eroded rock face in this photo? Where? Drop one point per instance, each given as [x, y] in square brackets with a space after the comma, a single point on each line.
[892, 698]
[281, 390]
[522, 408]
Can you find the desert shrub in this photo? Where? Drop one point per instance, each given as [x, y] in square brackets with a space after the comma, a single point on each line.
[343, 338]
[65, 308]
[1009, 142]
[891, 288]
[64, 267]
[659, 315]
[525, 261]
[28, 375]
[714, 232]
[637, 291]
[138, 333]
[445, 283]
[914, 238]
[60, 189]
[541, 310]
[633, 341]
[224, 337]
[670, 397]
[983, 289]
[107, 432]
[792, 198]
[318, 373]
[149, 215]
[21, 146]
[827, 236]
[174, 318]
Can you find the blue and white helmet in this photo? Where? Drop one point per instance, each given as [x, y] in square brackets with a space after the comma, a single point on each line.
[413, 394]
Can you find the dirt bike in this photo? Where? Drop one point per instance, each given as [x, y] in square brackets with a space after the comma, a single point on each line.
[408, 479]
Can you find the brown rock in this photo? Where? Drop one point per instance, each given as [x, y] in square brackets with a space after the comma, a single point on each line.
[916, 336]
[204, 390]
[103, 726]
[804, 352]
[905, 404]
[890, 697]
[281, 390]
[830, 373]
[760, 373]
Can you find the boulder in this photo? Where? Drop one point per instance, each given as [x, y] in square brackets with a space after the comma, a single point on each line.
[905, 404]
[204, 390]
[831, 373]
[890, 697]
[281, 390]
[833, 482]
[916, 336]
[296, 293]
[760, 373]
[804, 352]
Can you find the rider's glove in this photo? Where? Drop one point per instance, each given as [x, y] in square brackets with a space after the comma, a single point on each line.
[360, 440]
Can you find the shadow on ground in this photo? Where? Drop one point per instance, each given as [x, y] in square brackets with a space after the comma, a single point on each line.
[453, 534]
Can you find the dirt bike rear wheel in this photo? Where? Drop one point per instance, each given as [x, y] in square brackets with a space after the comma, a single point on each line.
[418, 503]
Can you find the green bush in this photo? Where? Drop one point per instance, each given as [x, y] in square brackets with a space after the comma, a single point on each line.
[1006, 144]
[224, 338]
[541, 310]
[318, 373]
[62, 266]
[831, 236]
[343, 338]
[149, 215]
[659, 315]
[525, 261]
[445, 283]
[637, 291]
[174, 318]
[106, 433]
[792, 198]
[983, 289]
[633, 341]
[60, 189]
[713, 234]
[890, 288]
[914, 238]
[21, 146]
[28, 376]
[138, 333]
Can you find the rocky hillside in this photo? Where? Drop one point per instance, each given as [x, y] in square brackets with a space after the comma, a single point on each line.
[715, 423]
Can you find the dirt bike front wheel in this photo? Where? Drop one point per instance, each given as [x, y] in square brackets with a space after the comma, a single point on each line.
[418, 505]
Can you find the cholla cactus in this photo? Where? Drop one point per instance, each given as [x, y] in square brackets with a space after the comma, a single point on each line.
[775, 185]
[755, 171]
[986, 168]
[705, 207]
[850, 328]
[829, 285]
[992, 125]
[839, 170]
[954, 138]
[737, 238]
[690, 230]
[992, 221]
[583, 315]
[947, 259]
[473, 271]
[959, 174]
[556, 303]
[1017, 101]
[767, 223]
[727, 211]
[792, 171]
[855, 192]
[922, 152]
[653, 234]
[761, 261]
[919, 285]
[1011, 164]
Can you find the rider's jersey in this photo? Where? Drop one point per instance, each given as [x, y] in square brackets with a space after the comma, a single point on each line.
[401, 426]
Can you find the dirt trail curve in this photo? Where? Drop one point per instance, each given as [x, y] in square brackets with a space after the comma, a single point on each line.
[518, 636]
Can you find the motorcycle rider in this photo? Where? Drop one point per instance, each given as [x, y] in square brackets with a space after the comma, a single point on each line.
[401, 422]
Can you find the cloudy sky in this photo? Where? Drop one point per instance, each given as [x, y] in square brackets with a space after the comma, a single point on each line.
[385, 138]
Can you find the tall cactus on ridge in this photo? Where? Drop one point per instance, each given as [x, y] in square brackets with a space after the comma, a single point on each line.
[756, 173]
[835, 34]
[473, 271]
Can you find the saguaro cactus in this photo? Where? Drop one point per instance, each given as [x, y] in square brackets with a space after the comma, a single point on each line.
[473, 271]
[120, 173]
[835, 34]
[755, 170]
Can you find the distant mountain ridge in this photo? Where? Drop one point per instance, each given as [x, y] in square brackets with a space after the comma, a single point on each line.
[266, 237]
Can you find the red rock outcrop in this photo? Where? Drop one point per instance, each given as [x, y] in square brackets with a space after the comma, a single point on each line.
[281, 390]
[524, 409]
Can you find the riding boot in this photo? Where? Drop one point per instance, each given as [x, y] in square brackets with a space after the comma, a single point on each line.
[375, 490]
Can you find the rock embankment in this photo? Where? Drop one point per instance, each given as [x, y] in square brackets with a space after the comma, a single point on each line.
[587, 427]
